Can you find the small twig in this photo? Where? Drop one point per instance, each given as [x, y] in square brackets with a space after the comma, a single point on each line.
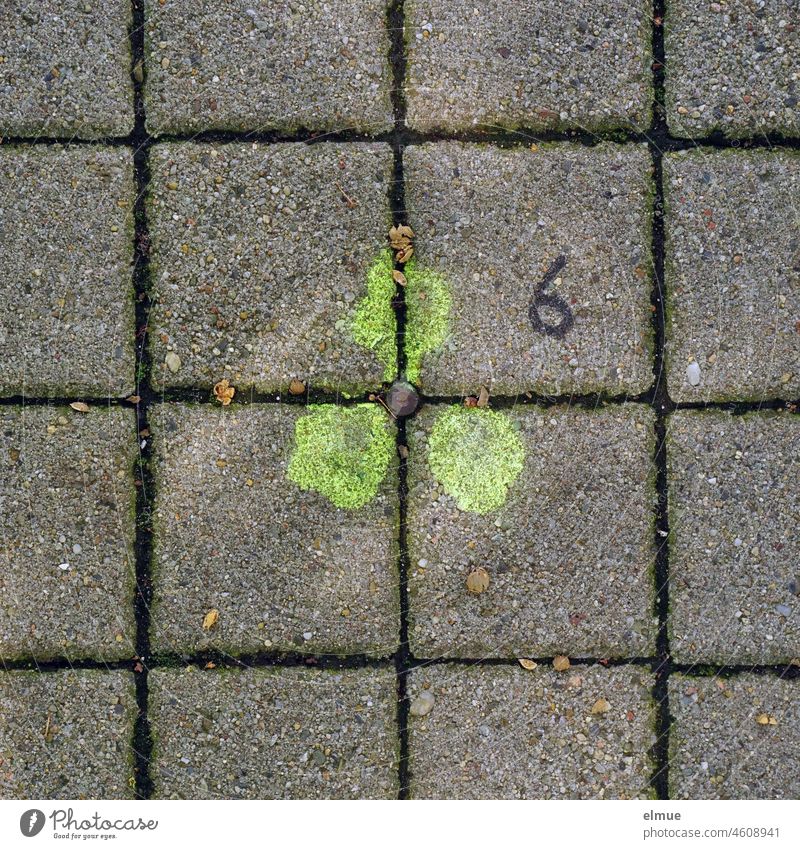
[350, 202]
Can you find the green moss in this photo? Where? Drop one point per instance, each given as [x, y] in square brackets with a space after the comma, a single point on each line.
[341, 452]
[374, 323]
[427, 316]
[476, 454]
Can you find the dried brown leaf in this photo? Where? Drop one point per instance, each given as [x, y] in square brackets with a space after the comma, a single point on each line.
[224, 392]
[561, 663]
[133, 399]
[399, 278]
[80, 406]
[297, 387]
[527, 664]
[601, 706]
[405, 254]
[483, 397]
[478, 581]
[210, 619]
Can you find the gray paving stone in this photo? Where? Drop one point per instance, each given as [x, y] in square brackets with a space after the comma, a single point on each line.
[543, 65]
[285, 568]
[65, 68]
[734, 738]
[493, 221]
[66, 304]
[66, 735]
[570, 554]
[501, 732]
[734, 510]
[67, 520]
[261, 255]
[275, 733]
[744, 80]
[245, 65]
[733, 291]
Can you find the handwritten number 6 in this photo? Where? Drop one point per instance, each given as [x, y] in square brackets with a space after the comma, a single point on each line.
[542, 299]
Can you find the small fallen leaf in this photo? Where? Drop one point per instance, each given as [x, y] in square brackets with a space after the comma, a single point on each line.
[766, 719]
[478, 581]
[297, 387]
[483, 397]
[405, 230]
[399, 278]
[224, 392]
[527, 664]
[561, 663]
[404, 254]
[470, 401]
[80, 406]
[211, 665]
[210, 619]
[133, 399]
[601, 706]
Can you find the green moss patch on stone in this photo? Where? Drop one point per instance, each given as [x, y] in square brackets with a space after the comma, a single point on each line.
[374, 324]
[341, 452]
[427, 315]
[476, 454]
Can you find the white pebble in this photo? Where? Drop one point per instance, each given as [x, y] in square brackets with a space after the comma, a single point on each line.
[423, 704]
[693, 373]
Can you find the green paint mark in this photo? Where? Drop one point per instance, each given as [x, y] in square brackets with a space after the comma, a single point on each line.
[427, 314]
[374, 323]
[476, 454]
[341, 452]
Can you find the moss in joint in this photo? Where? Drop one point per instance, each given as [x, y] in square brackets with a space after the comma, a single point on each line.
[476, 454]
[341, 452]
[427, 316]
[374, 324]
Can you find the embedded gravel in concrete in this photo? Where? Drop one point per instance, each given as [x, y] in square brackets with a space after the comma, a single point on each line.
[65, 68]
[734, 737]
[570, 555]
[492, 222]
[734, 510]
[67, 735]
[499, 732]
[67, 502]
[66, 304]
[732, 275]
[254, 65]
[544, 65]
[284, 568]
[259, 262]
[732, 67]
[275, 733]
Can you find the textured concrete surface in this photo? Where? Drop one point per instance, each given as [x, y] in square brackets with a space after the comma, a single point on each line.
[734, 737]
[506, 733]
[570, 555]
[258, 64]
[734, 510]
[67, 503]
[285, 568]
[732, 274]
[275, 734]
[65, 68]
[66, 735]
[732, 67]
[66, 304]
[543, 65]
[260, 259]
[494, 222]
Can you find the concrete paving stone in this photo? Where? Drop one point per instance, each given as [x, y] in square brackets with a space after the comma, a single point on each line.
[500, 63]
[732, 263]
[492, 222]
[735, 737]
[67, 520]
[264, 259]
[499, 732]
[66, 305]
[258, 64]
[570, 554]
[744, 80]
[286, 569]
[67, 734]
[65, 68]
[734, 510]
[279, 733]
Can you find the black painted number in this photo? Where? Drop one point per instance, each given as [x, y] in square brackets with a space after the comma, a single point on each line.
[541, 298]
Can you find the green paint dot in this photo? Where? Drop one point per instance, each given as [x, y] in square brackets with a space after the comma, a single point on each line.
[427, 316]
[374, 323]
[341, 452]
[476, 454]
